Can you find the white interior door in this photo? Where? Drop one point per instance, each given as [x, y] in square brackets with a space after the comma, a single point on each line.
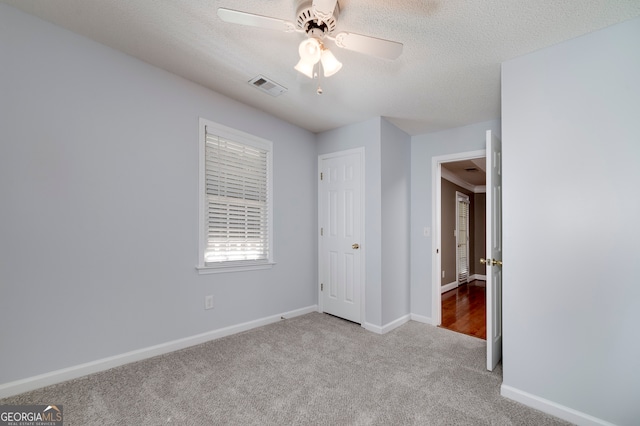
[340, 204]
[494, 250]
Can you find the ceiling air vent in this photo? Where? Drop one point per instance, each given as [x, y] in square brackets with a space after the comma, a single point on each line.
[267, 86]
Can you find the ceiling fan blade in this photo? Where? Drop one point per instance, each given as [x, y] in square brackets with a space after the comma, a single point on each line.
[323, 9]
[381, 48]
[252, 20]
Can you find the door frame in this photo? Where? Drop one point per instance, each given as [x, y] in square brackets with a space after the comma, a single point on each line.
[436, 224]
[363, 246]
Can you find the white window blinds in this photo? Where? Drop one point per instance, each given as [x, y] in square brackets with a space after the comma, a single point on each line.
[463, 240]
[236, 201]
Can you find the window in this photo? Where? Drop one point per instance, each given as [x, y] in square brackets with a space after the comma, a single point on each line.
[462, 236]
[235, 200]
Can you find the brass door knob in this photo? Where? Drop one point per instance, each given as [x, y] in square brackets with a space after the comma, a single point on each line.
[484, 261]
[355, 246]
[496, 262]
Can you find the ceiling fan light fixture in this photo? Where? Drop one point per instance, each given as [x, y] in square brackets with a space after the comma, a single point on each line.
[317, 19]
[305, 67]
[310, 50]
[330, 64]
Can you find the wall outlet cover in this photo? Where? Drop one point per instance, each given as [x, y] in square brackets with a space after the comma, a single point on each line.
[208, 302]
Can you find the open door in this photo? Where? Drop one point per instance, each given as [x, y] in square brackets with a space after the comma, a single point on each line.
[494, 250]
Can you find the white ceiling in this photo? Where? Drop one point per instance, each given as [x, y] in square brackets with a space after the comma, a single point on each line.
[447, 76]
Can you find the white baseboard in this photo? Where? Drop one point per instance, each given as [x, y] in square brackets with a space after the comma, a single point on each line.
[550, 407]
[373, 328]
[454, 285]
[422, 319]
[76, 371]
[478, 277]
[388, 327]
[448, 287]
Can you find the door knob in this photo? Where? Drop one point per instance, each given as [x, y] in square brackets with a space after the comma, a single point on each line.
[355, 246]
[496, 262]
[484, 261]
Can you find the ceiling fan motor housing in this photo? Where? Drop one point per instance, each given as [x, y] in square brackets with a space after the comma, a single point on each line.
[309, 23]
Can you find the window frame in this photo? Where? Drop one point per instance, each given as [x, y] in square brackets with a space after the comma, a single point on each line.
[240, 137]
[466, 201]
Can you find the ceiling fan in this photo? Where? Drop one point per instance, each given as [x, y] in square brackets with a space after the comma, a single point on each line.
[317, 19]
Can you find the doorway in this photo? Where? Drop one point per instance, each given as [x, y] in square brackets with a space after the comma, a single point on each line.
[493, 232]
[459, 243]
[463, 303]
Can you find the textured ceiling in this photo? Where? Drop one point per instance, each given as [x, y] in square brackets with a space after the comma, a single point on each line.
[447, 76]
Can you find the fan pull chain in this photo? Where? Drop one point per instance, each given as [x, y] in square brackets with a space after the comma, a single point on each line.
[319, 90]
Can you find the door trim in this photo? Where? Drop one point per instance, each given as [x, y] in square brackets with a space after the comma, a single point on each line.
[436, 224]
[363, 246]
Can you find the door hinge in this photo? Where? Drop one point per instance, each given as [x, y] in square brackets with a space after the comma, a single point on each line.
[321, 176]
[321, 286]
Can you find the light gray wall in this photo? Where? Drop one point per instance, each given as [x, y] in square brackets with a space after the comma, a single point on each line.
[423, 149]
[367, 135]
[99, 198]
[387, 182]
[396, 178]
[571, 150]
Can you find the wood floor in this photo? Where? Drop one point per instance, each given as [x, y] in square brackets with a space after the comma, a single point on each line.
[464, 309]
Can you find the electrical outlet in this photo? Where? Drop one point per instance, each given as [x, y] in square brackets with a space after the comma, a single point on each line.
[208, 302]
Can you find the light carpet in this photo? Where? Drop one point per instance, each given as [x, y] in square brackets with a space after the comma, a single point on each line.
[310, 370]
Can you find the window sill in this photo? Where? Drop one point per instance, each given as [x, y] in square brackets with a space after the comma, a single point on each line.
[202, 270]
